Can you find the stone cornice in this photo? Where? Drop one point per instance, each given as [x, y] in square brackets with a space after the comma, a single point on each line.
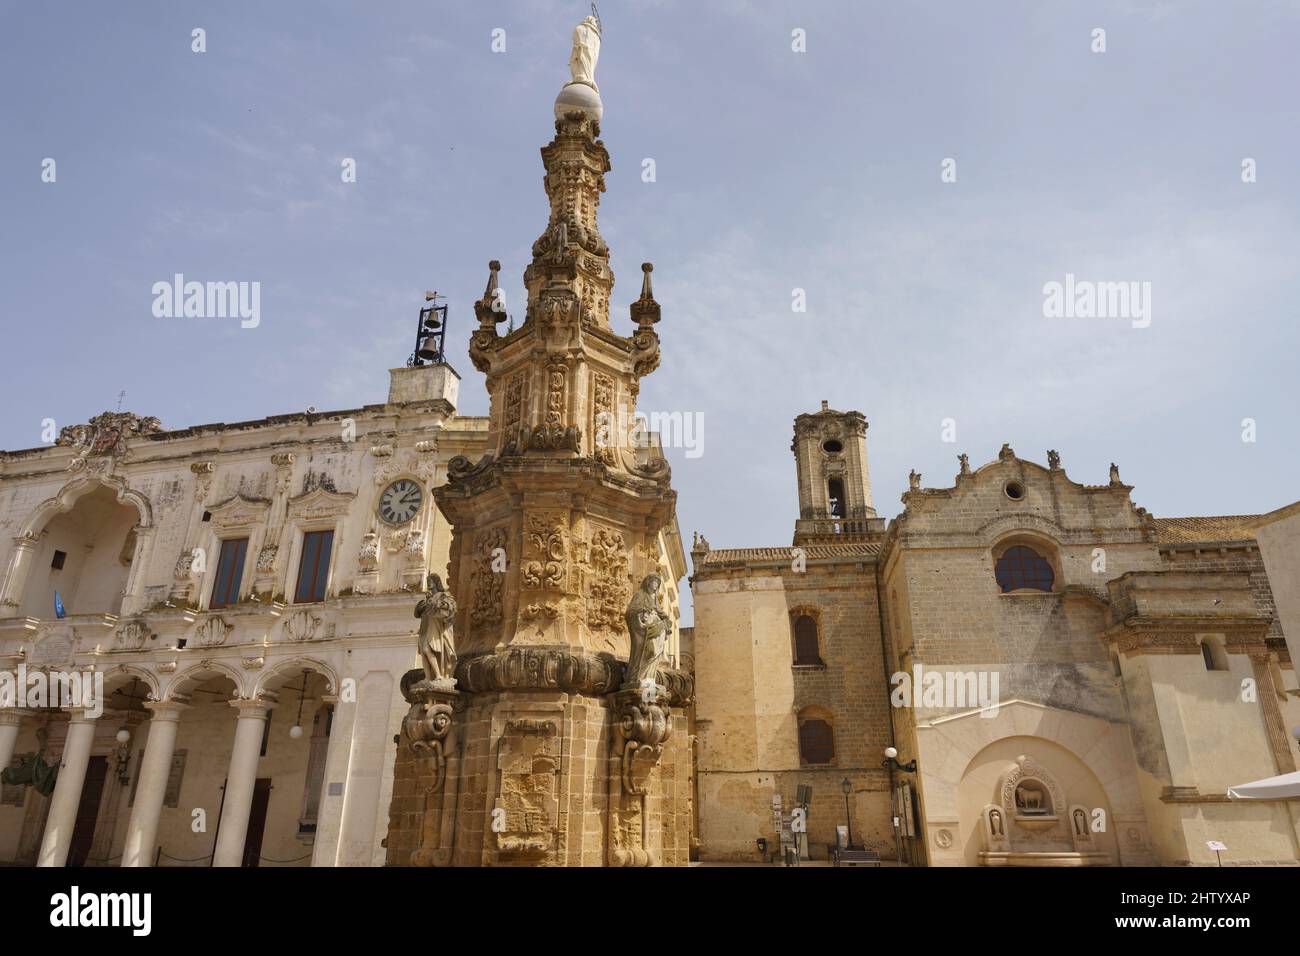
[1178, 635]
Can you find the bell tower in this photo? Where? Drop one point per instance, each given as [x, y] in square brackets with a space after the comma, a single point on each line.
[830, 452]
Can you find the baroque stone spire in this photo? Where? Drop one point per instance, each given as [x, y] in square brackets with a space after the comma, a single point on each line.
[555, 550]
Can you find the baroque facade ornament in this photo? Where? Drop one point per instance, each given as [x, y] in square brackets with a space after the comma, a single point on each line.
[607, 594]
[302, 626]
[107, 433]
[212, 632]
[132, 635]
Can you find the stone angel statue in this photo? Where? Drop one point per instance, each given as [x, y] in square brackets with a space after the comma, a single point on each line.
[437, 644]
[586, 51]
[649, 628]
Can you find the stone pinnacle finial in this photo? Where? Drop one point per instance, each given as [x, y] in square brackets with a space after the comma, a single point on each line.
[489, 309]
[645, 310]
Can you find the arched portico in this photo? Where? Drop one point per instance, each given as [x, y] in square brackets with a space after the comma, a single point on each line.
[90, 542]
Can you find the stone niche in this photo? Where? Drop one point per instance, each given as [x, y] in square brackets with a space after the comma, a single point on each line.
[1033, 824]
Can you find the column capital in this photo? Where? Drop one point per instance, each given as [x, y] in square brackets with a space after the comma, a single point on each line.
[254, 708]
[165, 709]
[80, 715]
[13, 716]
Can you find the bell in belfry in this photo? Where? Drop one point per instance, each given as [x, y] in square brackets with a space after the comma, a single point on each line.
[428, 349]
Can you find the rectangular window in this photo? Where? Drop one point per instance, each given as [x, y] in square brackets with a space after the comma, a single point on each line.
[230, 571]
[59, 558]
[315, 566]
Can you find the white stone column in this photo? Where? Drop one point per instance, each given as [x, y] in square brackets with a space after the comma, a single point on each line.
[240, 782]
[20, 562]
[132, 594]
[11, 720]
[155, 770]
[62, 818]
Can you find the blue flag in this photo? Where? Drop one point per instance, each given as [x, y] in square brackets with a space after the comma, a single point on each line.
[58, 606]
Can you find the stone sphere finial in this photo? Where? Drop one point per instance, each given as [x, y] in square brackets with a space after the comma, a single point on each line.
[579, 98]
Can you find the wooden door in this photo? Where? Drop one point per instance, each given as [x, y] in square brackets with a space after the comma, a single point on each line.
[92, 791]
[257, 821]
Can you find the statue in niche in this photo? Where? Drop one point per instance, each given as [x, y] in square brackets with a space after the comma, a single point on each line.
[437, 643]
[995, 822]
[1080, 822]
[1031, 801]
[649, 627]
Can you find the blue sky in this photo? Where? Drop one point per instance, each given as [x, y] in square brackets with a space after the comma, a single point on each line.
[775, 170]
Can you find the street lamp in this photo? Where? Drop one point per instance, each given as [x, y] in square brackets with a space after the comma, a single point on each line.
[847, 787]
[891, 761]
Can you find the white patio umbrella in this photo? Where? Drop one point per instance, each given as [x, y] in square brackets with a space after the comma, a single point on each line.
[1284, 787]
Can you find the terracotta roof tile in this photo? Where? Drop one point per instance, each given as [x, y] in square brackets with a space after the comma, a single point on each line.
[1212, 528]
[813, 552]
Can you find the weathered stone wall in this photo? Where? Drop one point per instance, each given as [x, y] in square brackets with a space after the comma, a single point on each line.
[750, 695]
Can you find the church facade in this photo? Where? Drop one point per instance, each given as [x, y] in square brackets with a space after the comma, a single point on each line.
[1017, 670]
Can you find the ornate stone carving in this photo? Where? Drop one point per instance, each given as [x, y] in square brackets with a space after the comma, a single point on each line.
[603, 418]
[132, 636]
[239, 513]
[184, 565]
[319, 503]
[540, 668]
[302, 626]
[107, 433]
[554, 432]
[266, 555]
[546, 551]
[413, 546]
[486, 582]
[428, 723]
[368, 554]
[212, 632]
[608, 594]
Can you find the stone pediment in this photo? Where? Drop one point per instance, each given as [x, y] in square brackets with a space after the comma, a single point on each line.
[238, 512]
[320, 503]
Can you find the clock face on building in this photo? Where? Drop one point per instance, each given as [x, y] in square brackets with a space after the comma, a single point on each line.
[400, 501]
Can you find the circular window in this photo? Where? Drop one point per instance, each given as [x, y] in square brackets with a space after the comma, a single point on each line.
[832, 446]
[1015, 490]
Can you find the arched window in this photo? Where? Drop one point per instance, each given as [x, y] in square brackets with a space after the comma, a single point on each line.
[807, 641]
[816, 736]
[1213, 654]
[835, 491]
[1021, 567]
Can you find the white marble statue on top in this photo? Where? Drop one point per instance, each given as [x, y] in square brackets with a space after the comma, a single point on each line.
[586, 51]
